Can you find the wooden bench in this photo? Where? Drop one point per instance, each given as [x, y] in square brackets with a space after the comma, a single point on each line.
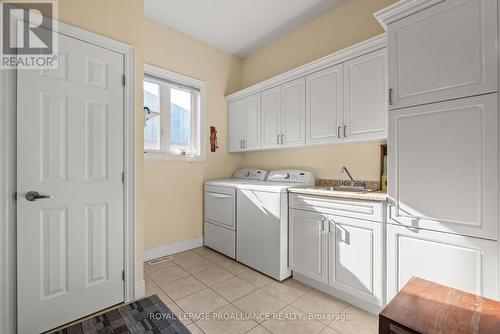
[426, 307]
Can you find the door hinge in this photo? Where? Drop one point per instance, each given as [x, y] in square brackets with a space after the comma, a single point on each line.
[123, 275]
[15, 196]
[123, 80]
[123, 177]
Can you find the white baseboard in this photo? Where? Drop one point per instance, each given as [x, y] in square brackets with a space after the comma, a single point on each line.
[154, 253]
[140, 289]
[348, 298]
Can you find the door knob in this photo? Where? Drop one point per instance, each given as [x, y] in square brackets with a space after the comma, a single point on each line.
[34, 195]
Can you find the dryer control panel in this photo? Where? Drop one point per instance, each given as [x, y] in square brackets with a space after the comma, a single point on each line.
[292, 176]
[251, 174]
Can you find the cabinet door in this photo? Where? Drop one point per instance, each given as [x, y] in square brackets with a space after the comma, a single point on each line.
[293, 113]
[355, 258]
[251, 123]
[443, 166]
[324, 106]
[365, 97]
[236, 110]
[446, 51]
[308, 244]
[461, 262]
[271, 117]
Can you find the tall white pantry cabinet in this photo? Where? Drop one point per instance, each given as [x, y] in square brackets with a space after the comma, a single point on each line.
[443, 144]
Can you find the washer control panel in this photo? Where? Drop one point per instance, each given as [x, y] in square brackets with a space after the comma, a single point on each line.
[251, 174]
[292, 176]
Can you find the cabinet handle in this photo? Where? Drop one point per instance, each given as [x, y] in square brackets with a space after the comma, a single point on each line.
[282, 139]
[244, 144]
[338, 132]
[241, 144]
[323, 228]
[390, 96]
[221, 196]
[345, 131]
[278, 139]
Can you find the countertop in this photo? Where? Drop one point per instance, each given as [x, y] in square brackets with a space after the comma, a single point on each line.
[377, 196]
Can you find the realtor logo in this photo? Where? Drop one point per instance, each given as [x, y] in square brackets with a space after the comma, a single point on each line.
[29, 34]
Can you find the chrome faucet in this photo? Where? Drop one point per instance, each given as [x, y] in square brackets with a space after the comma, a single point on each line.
[344, 169]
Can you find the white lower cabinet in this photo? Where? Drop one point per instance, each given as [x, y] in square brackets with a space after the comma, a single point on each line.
[464, 263]
[343, 255]
[355, 258]
[308, 244]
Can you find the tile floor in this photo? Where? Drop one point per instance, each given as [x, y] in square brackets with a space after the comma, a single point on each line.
[219, 294]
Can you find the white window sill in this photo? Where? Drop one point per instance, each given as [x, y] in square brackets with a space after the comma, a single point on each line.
[154, 155]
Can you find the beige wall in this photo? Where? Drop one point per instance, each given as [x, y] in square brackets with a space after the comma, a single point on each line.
[362, 160]
[169, 194]
[173, 199]
[348, 24]
[121, 20]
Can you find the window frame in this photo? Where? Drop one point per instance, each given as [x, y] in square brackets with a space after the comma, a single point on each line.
[198, 127]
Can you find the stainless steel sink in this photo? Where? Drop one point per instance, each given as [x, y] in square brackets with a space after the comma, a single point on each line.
[346, 189]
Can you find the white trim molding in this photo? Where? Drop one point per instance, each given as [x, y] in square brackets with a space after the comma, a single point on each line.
[157, 252]
[402, 9]
[7, 203]
[140, 289]
[359, 49]
[8, 303]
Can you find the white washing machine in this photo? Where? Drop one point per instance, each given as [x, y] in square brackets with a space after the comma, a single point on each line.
[262, 221]
[220, 210]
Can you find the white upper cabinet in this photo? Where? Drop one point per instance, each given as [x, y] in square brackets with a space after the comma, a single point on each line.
[324, 106]
[293, 113]
[271, 117]
[251, 123]
[338, 98]
[244, 124]
[283, 115]
[236, 110]
[444, 52]
[443, 162]
[365, 97]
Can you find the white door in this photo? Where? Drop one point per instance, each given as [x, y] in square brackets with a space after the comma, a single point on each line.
[236, 111]
[461, 262]
[70, 147]
[308, 242]
[271, 117]
[324, 106]
[365, 97]
[355, 258]
[443, 162]
[446, 51]
[293, 113]
[251, 123]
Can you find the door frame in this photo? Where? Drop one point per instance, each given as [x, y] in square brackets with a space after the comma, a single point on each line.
[8, 95]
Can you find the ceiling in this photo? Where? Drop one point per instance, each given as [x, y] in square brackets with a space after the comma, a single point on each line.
[238, 27]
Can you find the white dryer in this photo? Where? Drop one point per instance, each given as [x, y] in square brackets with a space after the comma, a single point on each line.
[262, 217]
[220, 210]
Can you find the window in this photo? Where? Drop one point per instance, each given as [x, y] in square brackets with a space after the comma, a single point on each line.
[174, 124]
